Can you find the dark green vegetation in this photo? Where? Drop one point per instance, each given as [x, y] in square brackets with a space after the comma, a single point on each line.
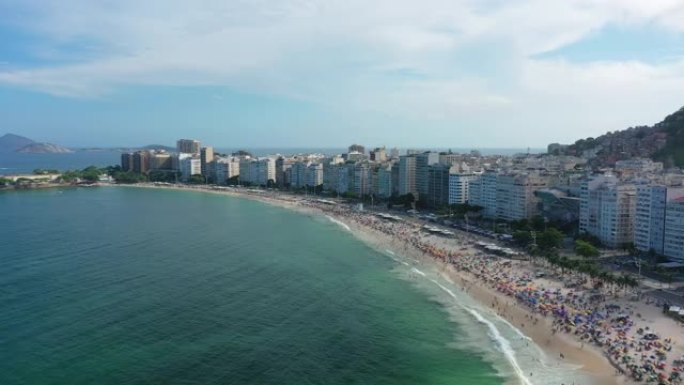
[586, 249]
[673, 152]
[663, 142]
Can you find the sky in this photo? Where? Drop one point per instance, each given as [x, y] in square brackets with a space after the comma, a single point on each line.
[298, 73]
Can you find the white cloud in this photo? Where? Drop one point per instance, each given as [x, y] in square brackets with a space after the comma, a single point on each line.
[442, 60]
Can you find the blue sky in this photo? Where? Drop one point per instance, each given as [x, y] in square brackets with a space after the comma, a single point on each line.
[297, 73]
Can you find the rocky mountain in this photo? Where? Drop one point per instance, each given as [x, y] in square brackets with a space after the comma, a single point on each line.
[663, 142]
[12, 142]
[44, 148]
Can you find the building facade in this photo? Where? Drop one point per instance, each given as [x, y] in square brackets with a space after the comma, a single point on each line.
[407, 175]
[188, 146]
[459, 187]
[607, 210]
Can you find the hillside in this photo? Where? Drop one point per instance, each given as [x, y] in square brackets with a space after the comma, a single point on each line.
[44, 148]
[663, 142]
[12, 142]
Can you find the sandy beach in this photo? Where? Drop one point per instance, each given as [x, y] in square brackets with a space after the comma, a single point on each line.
[567, 332]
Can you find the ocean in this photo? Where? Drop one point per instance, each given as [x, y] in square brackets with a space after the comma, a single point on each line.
[118, 285]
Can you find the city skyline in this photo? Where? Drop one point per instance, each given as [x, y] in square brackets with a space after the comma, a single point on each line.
[313, 74]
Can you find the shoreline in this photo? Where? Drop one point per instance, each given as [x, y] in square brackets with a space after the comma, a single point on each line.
[589, 359]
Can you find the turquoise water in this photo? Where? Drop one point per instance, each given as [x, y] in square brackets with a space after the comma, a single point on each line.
[135, 286]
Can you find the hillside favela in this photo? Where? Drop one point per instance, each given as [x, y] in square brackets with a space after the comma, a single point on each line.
[342, 193]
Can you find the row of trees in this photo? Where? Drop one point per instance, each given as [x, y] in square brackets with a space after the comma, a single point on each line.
[545, 241]
[591, 269]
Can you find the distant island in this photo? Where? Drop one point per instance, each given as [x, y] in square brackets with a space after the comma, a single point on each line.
[17, 143]
[44, 148]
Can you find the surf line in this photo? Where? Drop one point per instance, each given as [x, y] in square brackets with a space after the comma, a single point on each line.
[392, 255]
[494, 333]
[342, 224]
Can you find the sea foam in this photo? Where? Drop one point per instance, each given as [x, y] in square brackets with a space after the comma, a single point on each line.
[495, 334]
[342, 224]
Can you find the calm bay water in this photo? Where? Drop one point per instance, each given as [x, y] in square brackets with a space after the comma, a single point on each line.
[134, 286]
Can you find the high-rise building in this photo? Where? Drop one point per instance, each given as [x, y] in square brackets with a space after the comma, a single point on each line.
[161, 161]
[483, 192]
[607, 210]
[283, 166]
[141, 162]
[651, 215]
[206, 157]
[127, 161]
[357, 148]
[423, 162]
[438, 186]
[459, 187]
[407, 175]
[378, 155]
[345, 178]
[188, 146]
[314, 175]
[361, 181]
[674, 230]
[515, 199]
[225, 168]
[298, 177]
[265, 172]
[189, 165]
[384, 184]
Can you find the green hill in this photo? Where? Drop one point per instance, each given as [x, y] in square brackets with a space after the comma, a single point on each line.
[673, 152]
[662, 142]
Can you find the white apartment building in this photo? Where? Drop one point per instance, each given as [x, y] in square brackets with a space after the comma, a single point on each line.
[314, 175]
[189, 165]
[257, 171]
[483, 192]
[459, 187]
[515, 199]
[652, 206]
[607, 210]
[225, 168]
[265, 171]
[674, 230]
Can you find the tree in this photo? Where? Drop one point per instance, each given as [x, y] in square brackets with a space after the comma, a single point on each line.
[549, 239]
[522, 238]
[586, 249]
[5, 182]
[128, 177]
[538, 223]
[90, 174]
[196, 179]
